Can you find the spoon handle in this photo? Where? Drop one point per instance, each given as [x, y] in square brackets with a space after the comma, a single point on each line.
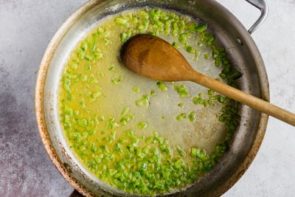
[242, 97]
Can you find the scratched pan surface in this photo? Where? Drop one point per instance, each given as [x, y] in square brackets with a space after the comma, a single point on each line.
[241, 51]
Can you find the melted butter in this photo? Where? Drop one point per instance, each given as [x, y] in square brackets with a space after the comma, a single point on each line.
[102, 90]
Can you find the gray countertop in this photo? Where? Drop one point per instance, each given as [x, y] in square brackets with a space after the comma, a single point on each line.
[26, 27]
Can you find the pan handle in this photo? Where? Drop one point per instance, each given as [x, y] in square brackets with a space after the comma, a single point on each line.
[262, 6]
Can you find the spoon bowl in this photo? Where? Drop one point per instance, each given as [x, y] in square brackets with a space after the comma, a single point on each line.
[155, 58]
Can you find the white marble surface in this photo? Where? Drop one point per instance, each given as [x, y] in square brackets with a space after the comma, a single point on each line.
[26, 26]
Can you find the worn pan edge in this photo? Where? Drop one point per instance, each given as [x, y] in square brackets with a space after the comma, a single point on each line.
[40, 115]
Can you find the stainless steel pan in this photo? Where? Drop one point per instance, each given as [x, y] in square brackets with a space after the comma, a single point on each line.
[242, 53]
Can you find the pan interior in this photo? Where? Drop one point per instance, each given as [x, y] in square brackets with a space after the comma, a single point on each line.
[122, 125]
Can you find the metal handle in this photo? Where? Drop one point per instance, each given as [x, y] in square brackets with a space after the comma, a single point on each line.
[261, 5]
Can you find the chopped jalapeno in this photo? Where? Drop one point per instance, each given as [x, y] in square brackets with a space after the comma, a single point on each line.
[114, 136]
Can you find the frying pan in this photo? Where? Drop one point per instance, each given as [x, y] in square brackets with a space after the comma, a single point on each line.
[241, 51]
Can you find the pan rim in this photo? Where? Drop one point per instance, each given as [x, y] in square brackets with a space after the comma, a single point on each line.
[42, 125]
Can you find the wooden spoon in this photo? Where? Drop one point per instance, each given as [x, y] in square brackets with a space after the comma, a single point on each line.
[155, 58]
